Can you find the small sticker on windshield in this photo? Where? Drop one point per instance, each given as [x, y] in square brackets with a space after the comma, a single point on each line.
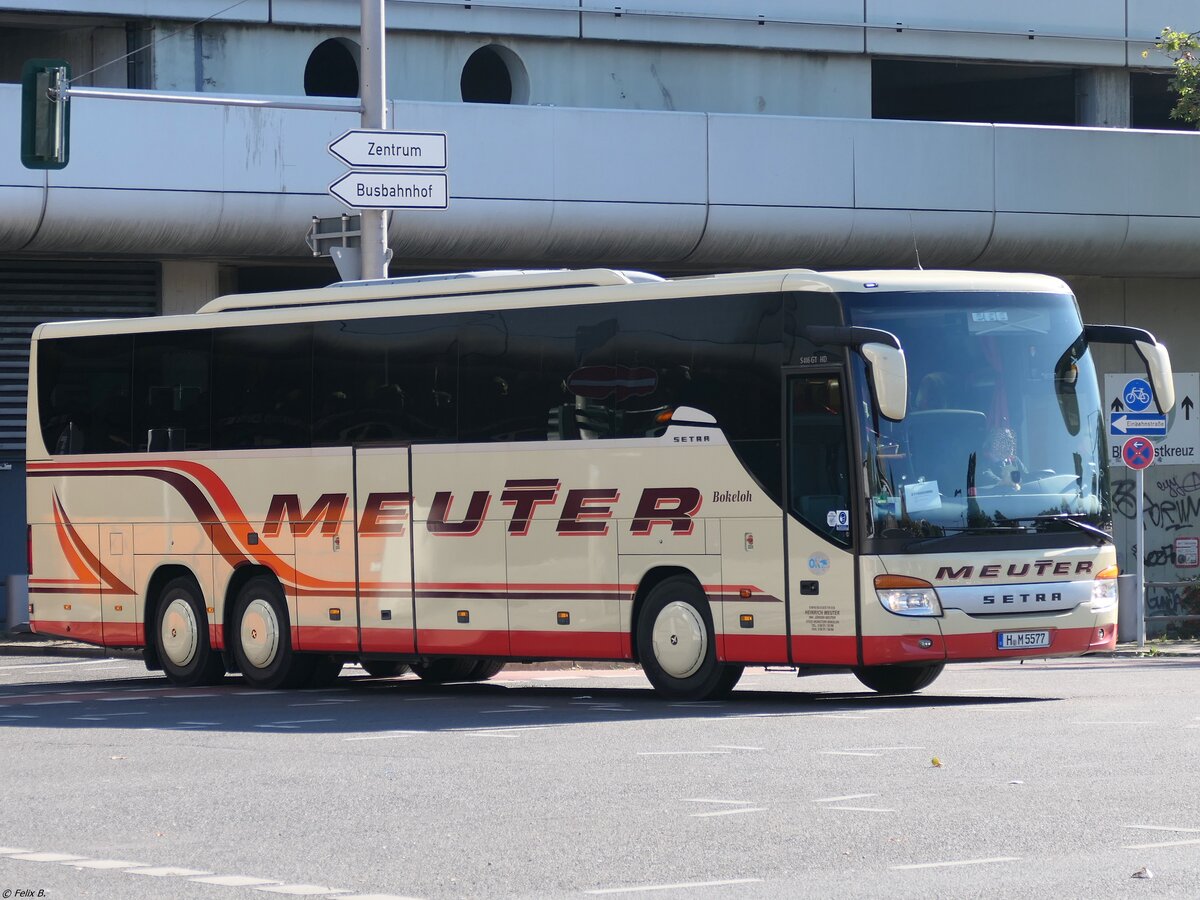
[839, 519]
[922, 496]
[991, 315]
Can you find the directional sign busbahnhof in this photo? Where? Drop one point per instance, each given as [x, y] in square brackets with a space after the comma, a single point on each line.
[389, 158]
[1181, 443]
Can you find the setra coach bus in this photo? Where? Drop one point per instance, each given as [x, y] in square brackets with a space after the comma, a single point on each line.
[876, 471]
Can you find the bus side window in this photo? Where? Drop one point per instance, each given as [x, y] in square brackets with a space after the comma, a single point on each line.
[84, 393]
[262, 387]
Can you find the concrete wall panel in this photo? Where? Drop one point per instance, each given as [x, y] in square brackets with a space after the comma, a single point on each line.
[551, 18]
[923, 166]
[194, 10]
[1147, 19]
[767, 23]
[1048, 242]
[1001, 30]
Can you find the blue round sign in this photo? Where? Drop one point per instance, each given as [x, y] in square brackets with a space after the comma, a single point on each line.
[1137, 395]
[1137, 452]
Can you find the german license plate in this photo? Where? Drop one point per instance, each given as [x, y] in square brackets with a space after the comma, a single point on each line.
[1022, 640]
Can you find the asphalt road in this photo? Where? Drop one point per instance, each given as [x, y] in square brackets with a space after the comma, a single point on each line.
[1057, 780]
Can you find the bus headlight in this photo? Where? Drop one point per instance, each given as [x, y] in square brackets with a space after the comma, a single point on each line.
[907, 596]
[1104, 590]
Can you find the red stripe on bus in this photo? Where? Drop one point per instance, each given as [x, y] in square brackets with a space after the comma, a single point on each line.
[463, 641]
[342, 639]
[981, 646]
[568, 644]
[121, 634]
[825, 649]
[883, 650]
[762, 648]
[388, 640]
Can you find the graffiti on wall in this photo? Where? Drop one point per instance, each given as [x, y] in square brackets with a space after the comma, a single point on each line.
[1172, 530]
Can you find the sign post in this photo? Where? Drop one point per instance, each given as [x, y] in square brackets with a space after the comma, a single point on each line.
[1138, 453]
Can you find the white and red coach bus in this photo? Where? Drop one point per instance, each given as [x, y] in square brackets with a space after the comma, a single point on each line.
[876, 471]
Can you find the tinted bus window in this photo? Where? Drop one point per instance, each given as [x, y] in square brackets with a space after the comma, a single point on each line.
[84, 394]
[171, 390]
[721, 355]
[539, 374]
[385, 380]
[262, 387]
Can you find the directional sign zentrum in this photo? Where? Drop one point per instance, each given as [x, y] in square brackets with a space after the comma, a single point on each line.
[362, 148]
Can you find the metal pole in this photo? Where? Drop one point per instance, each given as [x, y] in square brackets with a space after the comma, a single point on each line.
[1141, 560]
[373, 90]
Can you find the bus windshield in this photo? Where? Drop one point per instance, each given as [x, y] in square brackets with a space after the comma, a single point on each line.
[1004, 432]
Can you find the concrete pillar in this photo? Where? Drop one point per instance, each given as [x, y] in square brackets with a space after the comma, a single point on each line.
[187, 285]
[1102, 97]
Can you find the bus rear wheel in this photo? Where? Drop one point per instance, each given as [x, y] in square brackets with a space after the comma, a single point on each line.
[383, 668]
[898, 679]
[262, 638]
[446, 669]
[181, 628]
[677, 645]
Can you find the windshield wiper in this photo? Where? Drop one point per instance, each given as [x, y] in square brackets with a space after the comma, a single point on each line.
[1101, 536]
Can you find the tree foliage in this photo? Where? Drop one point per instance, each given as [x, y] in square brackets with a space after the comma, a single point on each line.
[1183, 49]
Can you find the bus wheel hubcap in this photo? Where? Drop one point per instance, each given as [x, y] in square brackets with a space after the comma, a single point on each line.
[180, 634]
[680, 639]
[259, 633]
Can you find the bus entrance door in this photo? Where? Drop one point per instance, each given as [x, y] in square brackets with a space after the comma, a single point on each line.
[384, 517]
[821, 583]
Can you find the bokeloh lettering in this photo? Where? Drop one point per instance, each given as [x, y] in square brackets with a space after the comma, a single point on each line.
[666, 506]
[328, 511]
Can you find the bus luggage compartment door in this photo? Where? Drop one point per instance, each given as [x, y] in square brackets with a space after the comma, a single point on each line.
[384, 517]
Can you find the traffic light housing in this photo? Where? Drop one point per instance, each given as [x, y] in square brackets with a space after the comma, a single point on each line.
[45, 113]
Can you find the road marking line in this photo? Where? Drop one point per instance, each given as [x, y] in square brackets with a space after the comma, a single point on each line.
[119, 699]
[683, 753]
[384, 737]
[186, 696]
[17, 716]
[848, 753]
[235, 880]
[728, 802]
[301, 890]
[1165, 828]
[167, 872]
[52, 702]
[198, 723]
[728, 812]
[301, 721]
[86, 662]
[45, 857]
[6, 851]
[376, 897]
[104, 864]
[609, 709]
[674, 887]
[276, 726]
[960, 862]
[735, 747]
[861, 808]
[847, 797]
[700, 704]
[1112, 723]
[1164, 844]
[487, 712]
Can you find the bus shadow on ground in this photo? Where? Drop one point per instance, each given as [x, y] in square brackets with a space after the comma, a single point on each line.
[366, 707]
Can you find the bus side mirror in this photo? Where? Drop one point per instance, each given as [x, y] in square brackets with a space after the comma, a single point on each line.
[1153, 354]
[1158, 366]
[889, 379]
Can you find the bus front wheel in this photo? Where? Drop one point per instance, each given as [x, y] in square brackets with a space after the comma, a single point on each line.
[181, 627]
[676, 642]
[262, 638]
[898, 679]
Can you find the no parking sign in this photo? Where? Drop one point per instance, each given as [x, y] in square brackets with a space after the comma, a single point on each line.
[1138, 453]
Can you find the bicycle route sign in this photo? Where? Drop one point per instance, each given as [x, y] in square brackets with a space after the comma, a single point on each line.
[1132, 412]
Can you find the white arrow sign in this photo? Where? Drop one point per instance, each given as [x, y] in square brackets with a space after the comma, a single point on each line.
[366, 149]
[392, 190]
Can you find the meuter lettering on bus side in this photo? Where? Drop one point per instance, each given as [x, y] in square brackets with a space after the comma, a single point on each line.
[883, 472]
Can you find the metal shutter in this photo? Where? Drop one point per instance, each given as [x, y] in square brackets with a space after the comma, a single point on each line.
[35, 291]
